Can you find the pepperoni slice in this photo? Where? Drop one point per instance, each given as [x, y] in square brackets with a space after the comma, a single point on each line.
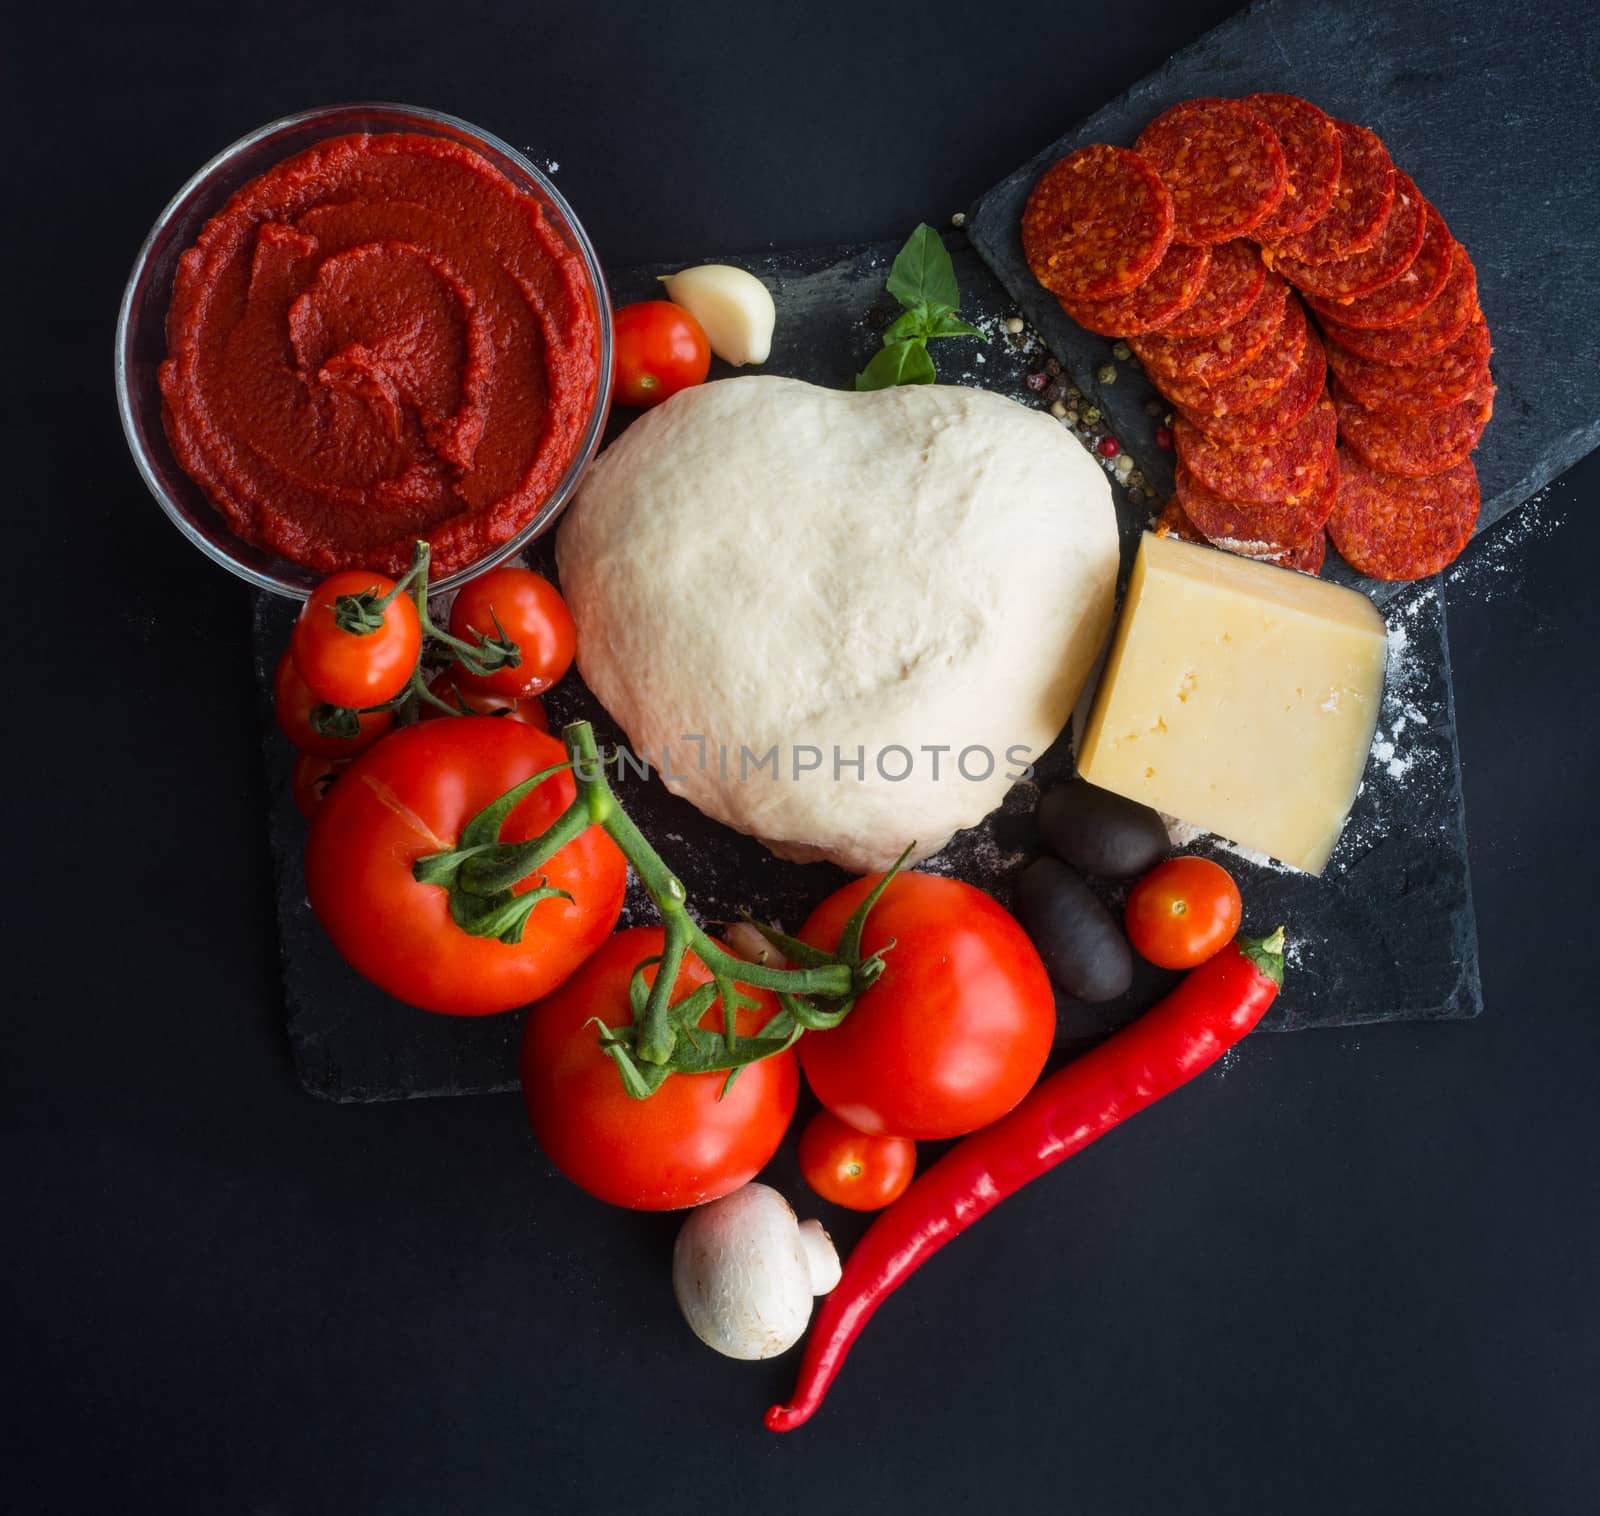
[1173, 523]
[1171, 289]
[1432, 332]
[1222, 162]
[1391, 527]
[1097, 223]
[1408, 296]
[1233, 280]
[1382, 263]
[1215, 358]
[1286, 471]
[1418, 389]
[1259, 529]
[1416, 446]
[1277, 415]
[1306, 556]
[1310, 142]
[1256, 382]
[1360, 203]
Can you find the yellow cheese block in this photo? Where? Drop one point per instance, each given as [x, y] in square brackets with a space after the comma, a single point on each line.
[1239, 697]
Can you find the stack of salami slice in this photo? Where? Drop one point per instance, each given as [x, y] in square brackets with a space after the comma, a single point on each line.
[1197, 247]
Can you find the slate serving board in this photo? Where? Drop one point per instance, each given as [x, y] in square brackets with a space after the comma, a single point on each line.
[1498, 130]
[1387, 934]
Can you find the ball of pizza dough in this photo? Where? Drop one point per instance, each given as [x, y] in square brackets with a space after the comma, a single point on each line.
[846, 621]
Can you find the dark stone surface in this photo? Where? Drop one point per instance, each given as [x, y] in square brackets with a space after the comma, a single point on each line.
[1471, 111]
[1386, 934]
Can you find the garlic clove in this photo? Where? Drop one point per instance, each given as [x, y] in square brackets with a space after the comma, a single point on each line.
[733, 306]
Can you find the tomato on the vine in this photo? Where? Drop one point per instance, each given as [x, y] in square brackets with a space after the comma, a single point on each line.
[529, 611]
[409, 798]
[292, 704]
[660, 350]
[853, 1169]
[685, 1144]
[311, 778]
[350, 668]
[447, 686]
[955, 1031]
[1183, 912]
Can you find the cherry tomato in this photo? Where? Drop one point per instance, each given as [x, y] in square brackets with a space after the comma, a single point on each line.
[685, 1144]
[293, 702]
[311, 778]
[851, 1169]
[349, 668]
[1183, 911]
[410, 796]
[532, 614]
[955, 1031]
[447, 685]
[660, 350]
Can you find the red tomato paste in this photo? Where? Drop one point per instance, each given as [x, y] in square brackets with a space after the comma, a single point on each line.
[380, 339]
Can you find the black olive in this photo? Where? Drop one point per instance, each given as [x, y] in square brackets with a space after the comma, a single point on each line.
[1100, 833]
[1082, 945]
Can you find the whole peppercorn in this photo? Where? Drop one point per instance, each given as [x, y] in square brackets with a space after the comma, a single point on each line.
[1108, 447]
[1153, 407]
[1164, 438]
[1121, 352]
[1090, 414]
[1037, 382]
[1106, 374]
[1052, 367]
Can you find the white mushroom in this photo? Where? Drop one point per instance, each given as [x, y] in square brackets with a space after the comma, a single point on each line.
[745, 1272]
[733, 306]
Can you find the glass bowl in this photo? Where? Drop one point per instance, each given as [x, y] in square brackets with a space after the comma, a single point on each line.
[142, 334]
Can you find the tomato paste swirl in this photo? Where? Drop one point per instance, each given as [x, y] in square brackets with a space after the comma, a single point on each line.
[380, 338]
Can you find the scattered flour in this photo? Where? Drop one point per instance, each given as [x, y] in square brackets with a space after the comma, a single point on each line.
[1491, 568]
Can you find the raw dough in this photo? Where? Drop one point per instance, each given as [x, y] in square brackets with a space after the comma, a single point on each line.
[764, 563]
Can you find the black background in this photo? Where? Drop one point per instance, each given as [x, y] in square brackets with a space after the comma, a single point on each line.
[1354, 1271]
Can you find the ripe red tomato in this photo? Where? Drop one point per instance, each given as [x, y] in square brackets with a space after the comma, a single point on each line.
[851, 1169]
[447, 685]
[955, 1031]
[532, 614]
[681, 1146]
[311, 778]
[660, 350]
[1183, 912]
[293, 702]
[410, 796]
[350, 668]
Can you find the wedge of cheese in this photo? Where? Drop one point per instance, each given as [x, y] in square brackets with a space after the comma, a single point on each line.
[1239, 697]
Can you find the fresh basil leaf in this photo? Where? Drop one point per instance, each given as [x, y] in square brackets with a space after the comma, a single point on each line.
[915, 322]
[922, 274]
[900, 363]
[952, 326]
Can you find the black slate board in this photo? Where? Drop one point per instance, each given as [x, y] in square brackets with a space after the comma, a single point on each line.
[1495, 116]
[1387, 934]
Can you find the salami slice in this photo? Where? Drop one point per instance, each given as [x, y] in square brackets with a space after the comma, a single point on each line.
[1382, 263]
[1233, 280]
[1222, 162]
[1171, 289]
[1416, 446]
[1259, 529]
[1258, 380]
[1307, 556]
[1391, 527]
[1215, 358]
[1311, 154]
[1434, 330]
[1097, 223]
[1418, 389]
[1276, 415]
[1360, 203]
[1408, 296]
[1285, 471]
[1173, 523]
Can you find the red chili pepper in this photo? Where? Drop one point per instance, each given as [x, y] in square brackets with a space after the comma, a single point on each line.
[1183, 1035]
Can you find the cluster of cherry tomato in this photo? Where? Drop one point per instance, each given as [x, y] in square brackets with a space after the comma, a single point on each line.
[371, 677]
